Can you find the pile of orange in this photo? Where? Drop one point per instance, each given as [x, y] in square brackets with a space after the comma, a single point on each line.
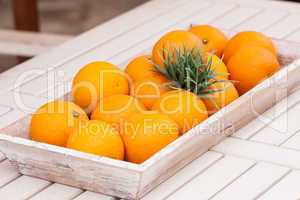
[131, 115]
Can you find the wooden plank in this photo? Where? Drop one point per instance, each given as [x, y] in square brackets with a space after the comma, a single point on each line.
[11, 117]
[254, 182]
[271, 135]
[2, 156]
[287, 188]
[93, 196]
[57, 191]
[26, 103]
[217, 11]
[183, 176]
[57, 91]
[292, 7]
[281, 107]
[267, 117]
[4, 110]
[262, 20]
[236, 17]
[21, 105]
[48, 81]
[280, 129]
[250, 129]
[259, 152]
[29, 43]
[293, 142]
[213, 179]
[284, 27]
[294, 36]
[8, 173]
[22, 188]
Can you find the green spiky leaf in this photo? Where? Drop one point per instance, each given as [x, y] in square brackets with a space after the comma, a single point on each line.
[188, 70]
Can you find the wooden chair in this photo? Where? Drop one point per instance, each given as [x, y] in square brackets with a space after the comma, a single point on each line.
[26, 41]
[26, 15]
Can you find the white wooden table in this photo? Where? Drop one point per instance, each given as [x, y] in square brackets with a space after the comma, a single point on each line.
[260, 161]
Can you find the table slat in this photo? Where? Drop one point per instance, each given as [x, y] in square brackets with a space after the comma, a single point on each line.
[2, 157]
[253, 182]
[213, 179]
[183, 176]
[93, 196]
[22, 188]
[25, 102]
[4, 110]
[293, 142]
[294, 36]
[287, 188]
[235, 17]
[8, 173]
[259, 151]
[10, 117]
[250, 129]
[267, 117]
[280, 129]
[57, 191]
[284, 27]
[262, 20]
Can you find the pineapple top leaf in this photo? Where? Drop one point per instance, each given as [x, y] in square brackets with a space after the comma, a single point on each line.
[188, 70]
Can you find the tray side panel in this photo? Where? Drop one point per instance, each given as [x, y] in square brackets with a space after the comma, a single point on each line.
[89, 174]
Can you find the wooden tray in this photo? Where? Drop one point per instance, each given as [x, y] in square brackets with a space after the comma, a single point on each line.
[132, 181]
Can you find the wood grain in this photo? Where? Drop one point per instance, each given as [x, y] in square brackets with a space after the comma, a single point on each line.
[24, 43]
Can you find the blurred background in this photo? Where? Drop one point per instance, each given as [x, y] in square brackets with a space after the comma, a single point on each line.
[55, 20]
[62, 17]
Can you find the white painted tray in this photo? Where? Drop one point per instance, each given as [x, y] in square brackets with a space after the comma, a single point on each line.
[132, 181]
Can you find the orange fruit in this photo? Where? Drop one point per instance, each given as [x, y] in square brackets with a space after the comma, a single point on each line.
[142, 67]
[149, 90]
[250, 65]
[224, 95]
[50, 122]
[184, 107]
[116, 108]
[171, 41]
[147, 133]
[219, 68]
[212, 38]
[95, 81]
[96, 137]
[245, 38]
